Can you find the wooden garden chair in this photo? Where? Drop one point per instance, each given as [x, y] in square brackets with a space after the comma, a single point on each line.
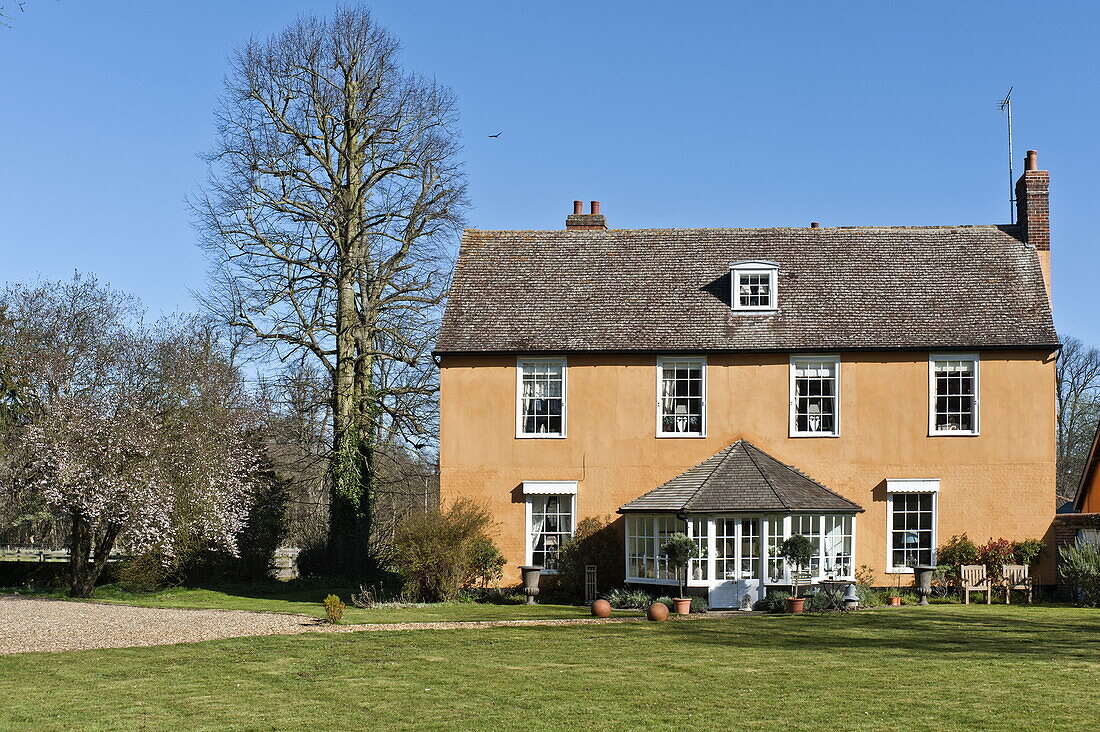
[1016, 577]
[975, 579]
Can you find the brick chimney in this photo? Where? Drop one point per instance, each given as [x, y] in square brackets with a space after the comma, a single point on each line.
[592, 221]
[1033, 210]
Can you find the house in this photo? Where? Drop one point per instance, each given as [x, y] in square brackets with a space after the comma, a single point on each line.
[1087, 499]
[876, 389]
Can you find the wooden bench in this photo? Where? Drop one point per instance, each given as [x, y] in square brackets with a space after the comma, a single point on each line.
[974, 578]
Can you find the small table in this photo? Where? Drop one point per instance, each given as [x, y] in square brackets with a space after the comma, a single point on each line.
[834, 591]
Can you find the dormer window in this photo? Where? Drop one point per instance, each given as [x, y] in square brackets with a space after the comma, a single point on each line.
[754, 285]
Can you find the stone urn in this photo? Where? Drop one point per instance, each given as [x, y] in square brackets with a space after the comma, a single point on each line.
[530, 582]
[922, 575]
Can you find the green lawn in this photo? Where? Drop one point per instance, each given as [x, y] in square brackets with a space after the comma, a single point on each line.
[934, 668]
[306, 599]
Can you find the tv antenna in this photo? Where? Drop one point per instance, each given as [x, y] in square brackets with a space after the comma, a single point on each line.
[1005, 106]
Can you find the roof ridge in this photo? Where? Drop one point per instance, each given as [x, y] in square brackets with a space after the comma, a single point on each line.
[756, 465]
[728, 449]
[854, 227]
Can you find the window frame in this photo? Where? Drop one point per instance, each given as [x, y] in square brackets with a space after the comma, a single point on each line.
[752, 267]
[661, 361]
[792, 415]
[564, 363]
[935, 537]
[932, 359]
[527, 512]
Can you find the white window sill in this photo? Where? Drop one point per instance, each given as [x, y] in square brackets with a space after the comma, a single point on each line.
[650, 581]
[683, 435]
[900, 570]
[755, 310]
[540, 437]
[814, 434]
[952, 433]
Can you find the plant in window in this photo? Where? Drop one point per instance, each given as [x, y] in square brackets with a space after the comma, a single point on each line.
[680, 549]
[797, 551]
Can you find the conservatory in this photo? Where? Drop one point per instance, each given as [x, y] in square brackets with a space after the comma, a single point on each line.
[739, 506]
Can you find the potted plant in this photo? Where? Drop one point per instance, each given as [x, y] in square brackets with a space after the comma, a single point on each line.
[894, 598]
[680, 549]
[797, 551]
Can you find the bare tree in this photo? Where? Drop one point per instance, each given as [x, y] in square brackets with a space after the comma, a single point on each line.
[334, 194]
[1078, 377]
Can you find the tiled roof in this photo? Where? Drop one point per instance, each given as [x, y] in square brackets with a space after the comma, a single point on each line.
[666, 290]
[741, 477]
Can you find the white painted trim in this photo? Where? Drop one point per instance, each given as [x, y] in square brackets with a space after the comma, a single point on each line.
[912, 485]
[932, 358]
[754, 266]
[520, 434]
[890, 568]
[549, 487]
[661, 361]
[792, 421]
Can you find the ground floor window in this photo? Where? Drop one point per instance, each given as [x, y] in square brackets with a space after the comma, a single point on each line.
[912, 521]
[551, 523]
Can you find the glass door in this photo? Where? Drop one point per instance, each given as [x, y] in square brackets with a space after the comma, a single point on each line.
[737, 562]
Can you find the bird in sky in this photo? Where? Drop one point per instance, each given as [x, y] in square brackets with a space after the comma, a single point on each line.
[497, 134]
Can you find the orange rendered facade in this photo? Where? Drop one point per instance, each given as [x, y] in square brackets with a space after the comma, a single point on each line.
[998, 483]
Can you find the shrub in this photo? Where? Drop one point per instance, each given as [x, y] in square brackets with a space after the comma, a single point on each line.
[334, 609]
[1079, 566]
[1028, 551]
[775, 601]
[870, 597]
[143, 573]
[958, 550]
[593, 542]
[438, 551]
[486, 561]
[996, 554]
[628, 598]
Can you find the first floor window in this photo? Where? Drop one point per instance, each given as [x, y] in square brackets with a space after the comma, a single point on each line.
[541, 397]
[912, 528]
[682, 396]
[814, 396]
[699, 565]
[954, 387]
[551, 525]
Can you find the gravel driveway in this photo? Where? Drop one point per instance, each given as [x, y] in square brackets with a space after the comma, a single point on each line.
[38, 624]
[31, 624]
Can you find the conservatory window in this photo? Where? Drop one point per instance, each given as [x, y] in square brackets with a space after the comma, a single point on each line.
[837, 546]
[810, 527]
[815, 397]
[681, 403]
[541, 398]
[777, 569]
[698, 565]
[645, 535]
[953, 387]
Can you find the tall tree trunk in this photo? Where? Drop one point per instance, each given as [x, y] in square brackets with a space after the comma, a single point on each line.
[86, 567]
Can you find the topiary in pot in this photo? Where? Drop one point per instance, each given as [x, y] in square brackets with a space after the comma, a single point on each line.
[797, 551]
[680, 549]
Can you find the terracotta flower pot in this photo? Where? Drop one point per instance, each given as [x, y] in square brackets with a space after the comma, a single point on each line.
[894, 601]
[601, 609]
[683, 605]
[796, 604]
[657, 612]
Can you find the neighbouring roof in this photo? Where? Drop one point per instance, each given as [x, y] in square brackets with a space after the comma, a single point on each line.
[741, 477]
[1091, 464]
[668, 290]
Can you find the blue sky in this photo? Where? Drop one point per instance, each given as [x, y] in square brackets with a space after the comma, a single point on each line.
[671, 114]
